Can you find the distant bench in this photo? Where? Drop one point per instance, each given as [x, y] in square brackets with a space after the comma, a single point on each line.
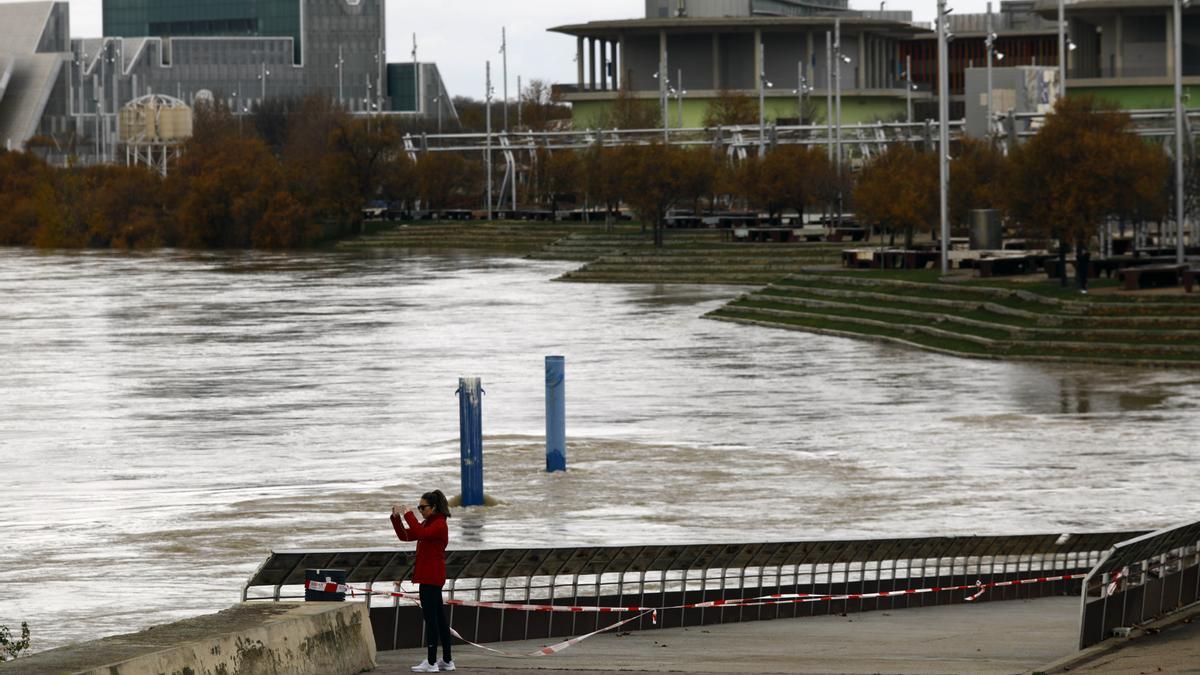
[1009, 264]
[1156, 276]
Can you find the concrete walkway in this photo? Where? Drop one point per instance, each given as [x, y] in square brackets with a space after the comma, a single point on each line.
[997, 637]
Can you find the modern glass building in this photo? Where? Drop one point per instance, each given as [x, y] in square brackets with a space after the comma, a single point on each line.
[241, 53]
[211, 18]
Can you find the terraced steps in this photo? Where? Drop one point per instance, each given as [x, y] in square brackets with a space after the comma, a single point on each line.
[978, 320]
[520, 238]
[699, 258]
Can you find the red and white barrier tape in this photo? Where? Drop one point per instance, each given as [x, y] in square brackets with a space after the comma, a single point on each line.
[978, 587]
[554, 648]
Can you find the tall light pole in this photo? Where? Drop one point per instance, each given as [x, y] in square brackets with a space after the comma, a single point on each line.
[416, 78]
[663, 87]
[990, 43]
[908, 87]
[838, 59]
[504, 53]
[1062, 48]
[679, 94]
[762, 99]
[801, 90]
[829, 92]
[487, 104]
[520, 101]
[837, 102]
[117, 60]
[1180, 250]
[263, 74]
[944, 134]
[341, 67]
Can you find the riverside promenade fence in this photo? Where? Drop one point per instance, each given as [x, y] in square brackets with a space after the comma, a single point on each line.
[671, 575]
[1140, 580]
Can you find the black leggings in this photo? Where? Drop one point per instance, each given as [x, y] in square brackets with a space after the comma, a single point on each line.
[437, 628]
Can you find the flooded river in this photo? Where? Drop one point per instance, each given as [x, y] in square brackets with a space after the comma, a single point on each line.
[167, 419]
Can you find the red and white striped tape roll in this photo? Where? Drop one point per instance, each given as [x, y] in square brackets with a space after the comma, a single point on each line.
[327, 587]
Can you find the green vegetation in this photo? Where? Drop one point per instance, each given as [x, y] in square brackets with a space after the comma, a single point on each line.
[979, 318]
[10, 647]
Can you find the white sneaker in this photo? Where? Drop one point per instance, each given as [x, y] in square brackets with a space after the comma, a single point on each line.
[425, 667]
[445, 666]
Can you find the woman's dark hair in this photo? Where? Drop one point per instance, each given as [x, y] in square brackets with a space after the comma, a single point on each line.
[438, 501]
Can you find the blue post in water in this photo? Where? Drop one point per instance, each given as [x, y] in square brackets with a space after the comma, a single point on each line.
[470, 438]
[556, 415]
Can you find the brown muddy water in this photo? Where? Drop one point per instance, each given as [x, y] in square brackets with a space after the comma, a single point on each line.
[167, 419]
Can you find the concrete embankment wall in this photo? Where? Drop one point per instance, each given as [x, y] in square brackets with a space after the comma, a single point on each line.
[321, 638]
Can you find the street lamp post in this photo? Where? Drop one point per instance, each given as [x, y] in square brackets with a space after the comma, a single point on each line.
[341, 67]
[679, 94]
[520, 101]
[663, 85]
[762, 99]
[837, 103]
[117, 60]
[1180, 249]
[487, 104]
[416, 78]
[263, 74]
[1062, 48]
[943, 134]
[838, 59]
[504, 52]
[829, 92]
[908, 88]
[990, 42]
[801, 90]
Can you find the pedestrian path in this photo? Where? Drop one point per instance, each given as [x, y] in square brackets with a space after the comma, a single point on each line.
[994, 637]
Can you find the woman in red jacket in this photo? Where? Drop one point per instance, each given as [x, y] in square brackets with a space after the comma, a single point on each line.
[430, 572]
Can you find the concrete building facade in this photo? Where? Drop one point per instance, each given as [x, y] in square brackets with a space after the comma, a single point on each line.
[728, 55]
[1123, 55]
[239, 53]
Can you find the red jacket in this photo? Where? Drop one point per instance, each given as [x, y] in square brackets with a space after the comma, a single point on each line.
[431, 537]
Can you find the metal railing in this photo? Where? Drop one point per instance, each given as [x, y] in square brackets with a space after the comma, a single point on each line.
[1140, 580]
[668, 576]
[732, 137]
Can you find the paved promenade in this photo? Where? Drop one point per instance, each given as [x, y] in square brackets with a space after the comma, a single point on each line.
[998, 637]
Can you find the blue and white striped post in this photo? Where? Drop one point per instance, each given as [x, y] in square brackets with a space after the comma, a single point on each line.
[470, 438]
[556, 415]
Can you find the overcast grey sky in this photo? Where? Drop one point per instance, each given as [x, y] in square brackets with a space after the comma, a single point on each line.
[460, 35]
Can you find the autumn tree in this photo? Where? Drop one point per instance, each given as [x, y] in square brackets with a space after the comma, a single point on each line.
[975, 176]
[731, 108]
[699, 170]
[541, 108]
[627, 111]
[557, 176]
[1082, 166]
[21, 175]
[898, 189]
[444, 179]
[602, 177]
[654, 182]
[789, 176]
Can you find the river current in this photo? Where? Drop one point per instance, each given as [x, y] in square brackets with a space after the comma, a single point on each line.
[167, 419]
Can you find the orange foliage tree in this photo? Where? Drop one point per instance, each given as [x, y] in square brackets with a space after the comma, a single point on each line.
[789, 176]
[898, 190]
[1083, 165]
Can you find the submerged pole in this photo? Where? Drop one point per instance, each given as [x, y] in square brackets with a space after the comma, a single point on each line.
[556, 415]
[470, 435]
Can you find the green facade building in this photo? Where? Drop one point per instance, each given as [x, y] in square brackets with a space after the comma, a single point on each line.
[211, 18]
